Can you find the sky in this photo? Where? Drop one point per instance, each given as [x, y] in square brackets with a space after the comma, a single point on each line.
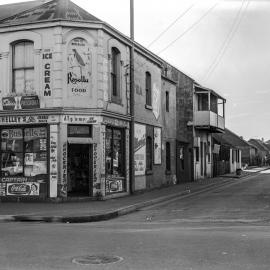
[222, 44]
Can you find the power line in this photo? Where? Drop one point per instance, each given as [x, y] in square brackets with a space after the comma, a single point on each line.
[190, 28]
[164, 31]
[228, 39]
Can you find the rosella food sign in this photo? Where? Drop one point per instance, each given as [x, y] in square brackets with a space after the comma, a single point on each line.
[79, 70]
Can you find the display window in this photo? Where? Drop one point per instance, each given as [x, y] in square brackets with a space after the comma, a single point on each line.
[115, 152]
[24, 151]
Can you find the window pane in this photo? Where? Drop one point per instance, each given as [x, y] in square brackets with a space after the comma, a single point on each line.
[35, 139]
[29, 80]
[19, 81]
[12, 164]
[35, 163]
[18, 57]
[12, 140]
[108, 151]
[117, 153]
[29, 54]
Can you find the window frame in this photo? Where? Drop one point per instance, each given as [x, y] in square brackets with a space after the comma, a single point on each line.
[148, 90]
[115, 75]
[167, 101]
[122, 145]
[24, 68]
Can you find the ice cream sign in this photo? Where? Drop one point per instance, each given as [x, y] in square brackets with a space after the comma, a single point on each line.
[79, 70]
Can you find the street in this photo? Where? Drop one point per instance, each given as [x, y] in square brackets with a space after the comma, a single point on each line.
[226, 228]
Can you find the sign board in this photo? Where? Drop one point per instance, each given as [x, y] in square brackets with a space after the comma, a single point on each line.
[29, 188]
[79, 70]
[157, 145]
[20, 102]
[140, 149]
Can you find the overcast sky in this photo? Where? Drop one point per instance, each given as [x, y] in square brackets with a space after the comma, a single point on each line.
[222, 44]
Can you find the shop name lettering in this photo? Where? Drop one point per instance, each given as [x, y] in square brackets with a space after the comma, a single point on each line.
[47, 75]
[73, 80]
[24, 119]
[95, 163]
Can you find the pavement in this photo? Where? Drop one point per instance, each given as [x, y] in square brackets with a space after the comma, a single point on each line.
[92, 211]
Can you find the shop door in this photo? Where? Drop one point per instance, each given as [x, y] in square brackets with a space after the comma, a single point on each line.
[79, 170]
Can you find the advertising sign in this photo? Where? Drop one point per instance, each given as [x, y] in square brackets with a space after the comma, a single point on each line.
[28, 119]
[113, 186]
[79, 70]
[47, 67]
[29, 188]
[157, 145]
[156, 101]
[139, 149]
[20, 102]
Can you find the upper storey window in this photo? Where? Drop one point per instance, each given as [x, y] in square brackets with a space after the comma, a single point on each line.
[23, 67]
[115, 74]
[148, 88]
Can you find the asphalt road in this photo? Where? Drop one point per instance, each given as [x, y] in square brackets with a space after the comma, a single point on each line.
[227, 228]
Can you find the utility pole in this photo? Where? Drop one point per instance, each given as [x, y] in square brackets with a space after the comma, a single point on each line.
[131, 151]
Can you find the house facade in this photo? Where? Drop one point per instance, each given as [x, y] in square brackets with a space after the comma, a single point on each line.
[64, 116]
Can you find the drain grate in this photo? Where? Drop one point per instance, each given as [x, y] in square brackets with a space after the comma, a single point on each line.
[96, 259]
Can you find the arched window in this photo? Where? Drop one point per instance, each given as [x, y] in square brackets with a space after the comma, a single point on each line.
[23, 67]
[148, 89]
[168, 156]
[149, 153]
[115, 74]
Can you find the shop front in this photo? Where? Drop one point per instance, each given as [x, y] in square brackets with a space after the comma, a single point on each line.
[63, 155]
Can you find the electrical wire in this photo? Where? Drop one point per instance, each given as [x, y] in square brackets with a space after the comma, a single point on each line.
[173, 23]
[228, 39]
[189, 29]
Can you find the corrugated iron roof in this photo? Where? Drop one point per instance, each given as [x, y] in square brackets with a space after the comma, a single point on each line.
[38, 11]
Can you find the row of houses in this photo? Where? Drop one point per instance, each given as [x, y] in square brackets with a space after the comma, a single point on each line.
[65, 116]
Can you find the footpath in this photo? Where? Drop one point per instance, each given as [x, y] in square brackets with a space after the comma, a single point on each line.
[91, 211]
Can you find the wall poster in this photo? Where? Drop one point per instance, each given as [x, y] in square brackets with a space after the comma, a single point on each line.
[79, 69]
[156, 100]
[139, 149]
[157, 145]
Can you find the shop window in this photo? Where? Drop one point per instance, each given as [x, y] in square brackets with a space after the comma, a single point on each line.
[24, 152]
[149, 153]
[23, 67]
[115, 74]
[167, 101]
[168, 156]
[148, 88]
[115, 146]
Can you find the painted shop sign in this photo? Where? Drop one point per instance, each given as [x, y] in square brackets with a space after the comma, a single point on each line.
[95, 156]
[20, 102]
[29, 188]
[156, 101]
[157, 145]
[53, 160]
[79, 119]
[79, 70]
[139, 149]
[63, 189]
[28, 119]
[115, 122]
[47, 67]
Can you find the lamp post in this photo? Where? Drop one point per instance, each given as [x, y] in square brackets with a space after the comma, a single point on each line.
[131, 167]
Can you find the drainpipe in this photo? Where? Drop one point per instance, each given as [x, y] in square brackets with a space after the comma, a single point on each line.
[131, 167]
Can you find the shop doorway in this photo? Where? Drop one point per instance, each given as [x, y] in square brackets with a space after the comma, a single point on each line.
[79, 170]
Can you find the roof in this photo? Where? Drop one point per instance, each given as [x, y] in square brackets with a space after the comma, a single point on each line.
[204, 89]
[9, 10]
[258, 144]
[44, 10]
[230, 138]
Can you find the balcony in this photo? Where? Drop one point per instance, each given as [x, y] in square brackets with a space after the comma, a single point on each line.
[209, 110]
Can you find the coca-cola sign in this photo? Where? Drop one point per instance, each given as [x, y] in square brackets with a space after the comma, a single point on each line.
[29, 188]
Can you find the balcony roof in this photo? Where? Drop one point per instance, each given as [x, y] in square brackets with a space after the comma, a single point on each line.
[202, 89]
